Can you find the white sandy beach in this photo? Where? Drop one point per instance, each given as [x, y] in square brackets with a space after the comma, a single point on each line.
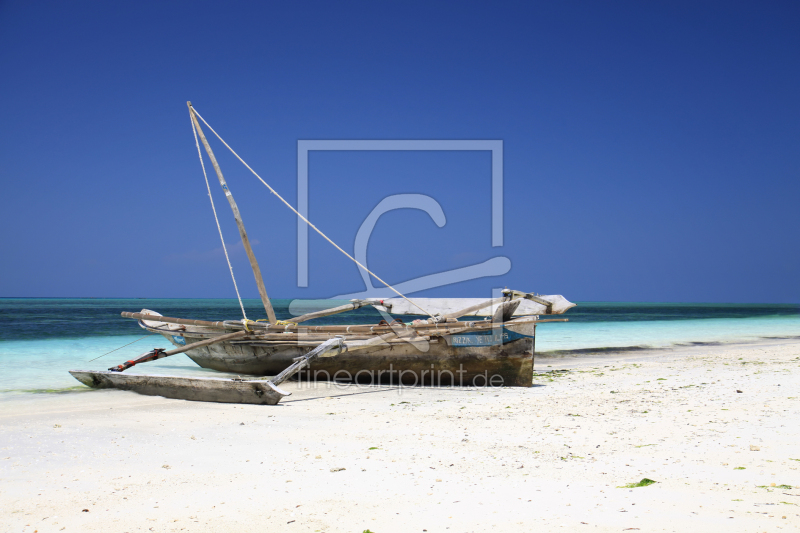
[550, 457]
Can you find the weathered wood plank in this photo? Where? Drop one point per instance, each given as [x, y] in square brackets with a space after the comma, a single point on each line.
[257, 391]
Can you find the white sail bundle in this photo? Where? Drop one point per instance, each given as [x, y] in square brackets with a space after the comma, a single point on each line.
[444, 306]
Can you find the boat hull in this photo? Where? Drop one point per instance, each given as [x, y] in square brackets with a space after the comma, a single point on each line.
[503, 359]
[260, 392]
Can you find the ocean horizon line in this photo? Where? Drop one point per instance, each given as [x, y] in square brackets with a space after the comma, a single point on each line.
[256, 299]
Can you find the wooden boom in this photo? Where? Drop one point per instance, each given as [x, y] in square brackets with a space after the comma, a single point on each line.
[444, 328]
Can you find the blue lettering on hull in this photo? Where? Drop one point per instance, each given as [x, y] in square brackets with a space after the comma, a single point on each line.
[485, 339]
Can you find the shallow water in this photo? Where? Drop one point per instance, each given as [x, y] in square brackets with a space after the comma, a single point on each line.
[40, 339]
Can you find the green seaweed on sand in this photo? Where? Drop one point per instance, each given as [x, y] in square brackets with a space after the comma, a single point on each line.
[374, 448]
[550, 374]
[739, 468]
[643, 483]
[782, 487]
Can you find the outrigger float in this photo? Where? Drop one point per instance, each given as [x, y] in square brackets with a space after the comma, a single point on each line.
[444, 349]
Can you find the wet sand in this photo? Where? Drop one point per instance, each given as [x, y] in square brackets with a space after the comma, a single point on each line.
[346, 458]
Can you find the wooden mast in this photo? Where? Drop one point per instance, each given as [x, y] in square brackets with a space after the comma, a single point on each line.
[245, 241]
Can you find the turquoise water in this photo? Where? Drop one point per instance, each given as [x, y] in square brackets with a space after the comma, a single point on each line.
[40, 339]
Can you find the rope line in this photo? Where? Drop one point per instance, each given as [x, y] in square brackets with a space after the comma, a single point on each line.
[306, 220]
[219, 229]
[121, 347]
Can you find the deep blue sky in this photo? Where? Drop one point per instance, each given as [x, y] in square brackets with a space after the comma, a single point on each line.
[652, 150]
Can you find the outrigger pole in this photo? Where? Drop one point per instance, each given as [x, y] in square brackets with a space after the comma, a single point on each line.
[245, 241]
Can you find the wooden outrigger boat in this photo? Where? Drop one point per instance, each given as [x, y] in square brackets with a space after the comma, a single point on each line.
[444, 349]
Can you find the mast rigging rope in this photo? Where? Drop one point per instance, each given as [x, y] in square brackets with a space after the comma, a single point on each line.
[219, 229]
[121, 347]
[296, 212]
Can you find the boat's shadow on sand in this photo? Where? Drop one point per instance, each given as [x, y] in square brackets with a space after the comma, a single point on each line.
[323, 394]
